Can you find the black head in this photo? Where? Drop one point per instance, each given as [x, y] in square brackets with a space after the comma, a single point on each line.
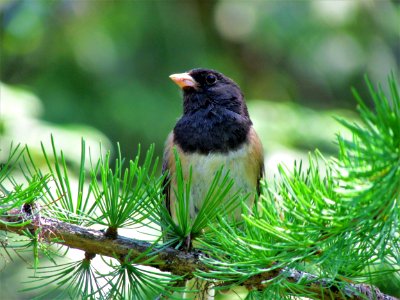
[204, 88]
[215, 117]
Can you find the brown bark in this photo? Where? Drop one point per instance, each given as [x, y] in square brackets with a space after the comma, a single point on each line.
[170, 259]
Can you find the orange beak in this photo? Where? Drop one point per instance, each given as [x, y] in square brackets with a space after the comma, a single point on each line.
[183, 80]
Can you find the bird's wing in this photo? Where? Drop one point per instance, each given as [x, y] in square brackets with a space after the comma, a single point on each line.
[260, 177]
[168, 168]
[256, 156]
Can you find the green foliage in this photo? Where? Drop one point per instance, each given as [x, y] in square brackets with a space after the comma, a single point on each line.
[129, 281]
[122, 193]
[59, 197]
[369, 171]
[14, 194]
[337, 219]
[341, 224]
[13, 155]
[75, 280]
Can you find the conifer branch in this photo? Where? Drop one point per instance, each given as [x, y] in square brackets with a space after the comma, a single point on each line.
[169, 259]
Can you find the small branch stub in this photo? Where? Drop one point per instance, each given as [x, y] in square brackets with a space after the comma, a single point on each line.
[111, 233]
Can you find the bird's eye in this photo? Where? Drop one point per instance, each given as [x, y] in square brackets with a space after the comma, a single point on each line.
[211, 79]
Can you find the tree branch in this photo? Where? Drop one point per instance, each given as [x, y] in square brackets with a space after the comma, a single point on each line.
[169, 259]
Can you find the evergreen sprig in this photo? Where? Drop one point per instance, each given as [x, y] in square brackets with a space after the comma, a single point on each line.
[59, 196]
[127, 280]
[368, 169]
[340, 225]
[72, 280]
[339, 222]
[122, 193]
[14, 193]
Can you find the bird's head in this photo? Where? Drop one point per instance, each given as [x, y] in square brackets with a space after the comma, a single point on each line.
[203, 88]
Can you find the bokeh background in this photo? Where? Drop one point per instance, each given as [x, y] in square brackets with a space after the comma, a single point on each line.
[99, 70]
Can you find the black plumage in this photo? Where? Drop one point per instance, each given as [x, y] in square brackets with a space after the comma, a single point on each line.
[215, 117]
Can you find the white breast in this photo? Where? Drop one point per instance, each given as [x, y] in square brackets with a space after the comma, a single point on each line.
[204, 168]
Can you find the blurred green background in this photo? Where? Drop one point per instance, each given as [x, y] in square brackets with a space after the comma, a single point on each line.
[99, 69]
[105, 64]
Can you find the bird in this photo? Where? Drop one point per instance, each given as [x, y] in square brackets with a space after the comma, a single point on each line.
[214, 130]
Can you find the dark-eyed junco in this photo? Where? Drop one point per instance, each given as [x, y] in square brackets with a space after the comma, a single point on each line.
[215, 130]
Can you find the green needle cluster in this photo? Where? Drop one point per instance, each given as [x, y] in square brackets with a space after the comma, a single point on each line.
[335, 218]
